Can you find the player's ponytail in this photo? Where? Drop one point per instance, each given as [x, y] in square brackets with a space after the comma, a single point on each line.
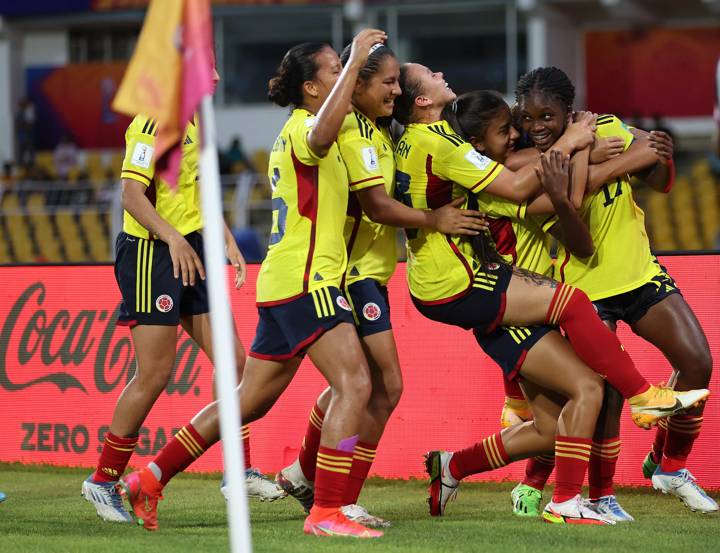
[474, 111]
[297, 66]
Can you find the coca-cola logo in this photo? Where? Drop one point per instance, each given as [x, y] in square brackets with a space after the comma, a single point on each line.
[39, 346]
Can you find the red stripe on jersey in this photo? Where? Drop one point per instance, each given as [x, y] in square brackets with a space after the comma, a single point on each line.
[438, 192]
[376, 177]
[307, 195]
[138, 174]
[486, 177]
[503, 235]
[562, 266]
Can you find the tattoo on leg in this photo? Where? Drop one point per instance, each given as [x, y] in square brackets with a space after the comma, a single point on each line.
[534, 278]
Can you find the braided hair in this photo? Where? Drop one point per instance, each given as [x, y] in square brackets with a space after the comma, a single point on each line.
[297, 66]
[548, 81]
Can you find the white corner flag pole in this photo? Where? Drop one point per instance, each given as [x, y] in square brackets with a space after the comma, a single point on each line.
[222, 332]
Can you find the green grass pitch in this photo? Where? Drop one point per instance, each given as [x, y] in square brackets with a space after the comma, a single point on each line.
[45, 513]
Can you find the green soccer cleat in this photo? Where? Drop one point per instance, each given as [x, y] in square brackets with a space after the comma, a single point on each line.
[526, 501]
[649, 466]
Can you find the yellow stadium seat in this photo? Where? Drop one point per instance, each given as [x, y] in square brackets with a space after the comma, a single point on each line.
[20, 238]
[98, 241]
[260, 161]
[97, 173]
[70, 235]
[4, 250]
[45, 237]
[45, 161]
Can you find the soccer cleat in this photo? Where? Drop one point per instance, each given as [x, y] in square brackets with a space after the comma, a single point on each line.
[358, 513]
[333, 523]
[514, 412]
[609, 507]
[143, 491]
[573, 511]
[649, 465]
[292, 480]
[257, 485]
[682, 484]
[526, 500]
[106, 498]
[443, 486]
[3, 497]
[658, 402]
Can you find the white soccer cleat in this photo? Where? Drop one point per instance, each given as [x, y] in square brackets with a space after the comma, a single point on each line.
[257, 485]
[573, 511]
[609, 507]
[682, 484]
[443, 486]
[106, 498]
[292, 480]
[358, 513]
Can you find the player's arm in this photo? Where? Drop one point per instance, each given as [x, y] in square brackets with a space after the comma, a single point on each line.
[638, 157]
[661, 175]
[448, 219]
[333, 111]
[570, 229]
[185, 260]
[235, 256]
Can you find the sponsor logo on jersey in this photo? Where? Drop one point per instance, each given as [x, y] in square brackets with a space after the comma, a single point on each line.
[164, 303]
[142, 155]
[478, 160]
[371, 311]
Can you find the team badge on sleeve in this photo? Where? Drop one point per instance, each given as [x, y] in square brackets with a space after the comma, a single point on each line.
[370, 158]
[478, 160]
[371, 311]
[142, 155]
[343, 303]
[164, 303]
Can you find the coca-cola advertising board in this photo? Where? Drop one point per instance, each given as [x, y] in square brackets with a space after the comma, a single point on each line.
[63, 363]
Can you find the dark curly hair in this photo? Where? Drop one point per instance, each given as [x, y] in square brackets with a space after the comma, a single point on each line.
[297, 66]
[549, 81]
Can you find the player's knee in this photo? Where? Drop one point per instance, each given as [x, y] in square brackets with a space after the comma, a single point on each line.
[353, 385]
[590, 392]
[698, 367]
[156, 377]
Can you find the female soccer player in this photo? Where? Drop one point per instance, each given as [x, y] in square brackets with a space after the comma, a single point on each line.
[300, 304]
[484, 119]
[449, 283]
[160, 274]
[367, 150]
[626, 283]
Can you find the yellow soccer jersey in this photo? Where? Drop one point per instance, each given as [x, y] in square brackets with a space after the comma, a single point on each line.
[309, 202]
[622, 260]
[522, 242]
[433, 165]
[180, 207]
[368, 155]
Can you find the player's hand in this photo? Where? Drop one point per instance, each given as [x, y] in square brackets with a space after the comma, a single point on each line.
[185, 260]
[232, 252]
[581, 129]
[663, 145]
[361, 45]
[554, 174]
[606, 148]
[449, 219]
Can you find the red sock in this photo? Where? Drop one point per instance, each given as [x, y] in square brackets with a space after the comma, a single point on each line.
[601, 472]
[487, 455]
[571, 459]
[245, 433]
[538, 470]
[363, 458]
[179, 453]
[682, 431]
[311, 443]
[331, 476]
[115, 456]
[659, 441]
[512, 389]
[593, 342]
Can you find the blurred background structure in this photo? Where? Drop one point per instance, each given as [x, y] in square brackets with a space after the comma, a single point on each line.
[654, 63]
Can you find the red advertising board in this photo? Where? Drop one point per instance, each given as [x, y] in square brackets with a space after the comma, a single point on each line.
[63, 363]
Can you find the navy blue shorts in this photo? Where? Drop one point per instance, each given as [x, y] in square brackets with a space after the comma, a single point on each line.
[371, 306]
[151, 295]
[632, 306]
[508, 345]
[288, 329]
[481, 308]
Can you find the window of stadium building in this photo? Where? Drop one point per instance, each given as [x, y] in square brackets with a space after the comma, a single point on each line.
[252, 48]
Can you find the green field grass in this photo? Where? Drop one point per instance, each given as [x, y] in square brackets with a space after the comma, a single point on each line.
[45, 513]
